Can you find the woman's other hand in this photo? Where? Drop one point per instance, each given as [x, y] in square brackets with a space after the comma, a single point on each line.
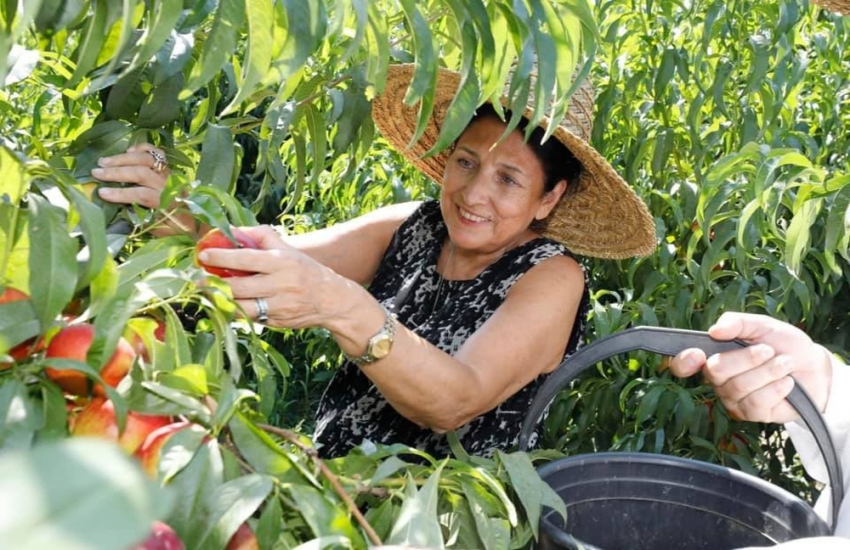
[753, 382]
[138, 166]
[297, 289]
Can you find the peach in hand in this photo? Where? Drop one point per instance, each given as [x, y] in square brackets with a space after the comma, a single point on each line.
[215, 238]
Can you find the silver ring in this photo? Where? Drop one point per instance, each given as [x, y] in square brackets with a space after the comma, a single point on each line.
[262, 310]
[159, 161]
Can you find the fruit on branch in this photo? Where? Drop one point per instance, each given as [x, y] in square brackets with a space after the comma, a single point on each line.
[151, 449]
[73, 342]
[162, 537]
[117, 367]
[98, 419]
[215, 238]
[243, 539]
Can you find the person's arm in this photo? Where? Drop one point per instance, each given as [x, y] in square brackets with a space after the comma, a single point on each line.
[754, 381]
[525, 337]
[354, 248]
[837, 416]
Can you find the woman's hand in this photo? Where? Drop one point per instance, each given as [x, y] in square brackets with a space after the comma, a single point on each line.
[299, 291]
[137, 166]
[753, 382]
[144, 166]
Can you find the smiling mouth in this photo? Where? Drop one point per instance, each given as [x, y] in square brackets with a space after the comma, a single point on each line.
[470, 217]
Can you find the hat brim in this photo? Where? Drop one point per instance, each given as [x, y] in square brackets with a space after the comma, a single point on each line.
[604, 218]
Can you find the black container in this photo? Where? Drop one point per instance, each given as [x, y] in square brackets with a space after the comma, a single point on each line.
[642, 501]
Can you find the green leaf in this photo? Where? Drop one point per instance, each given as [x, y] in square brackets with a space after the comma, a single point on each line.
[229, 399]
[217, 158]
[325, 518]
[91, 43]
[417, 523]
[103, 139]
[19, 416]
[261, 451]
[648, 404]
[195, 488]
[61, 494]
[531, 490]
[799, 236]
[492, 539]
[221, 42]
[270, 524]
[259, 56]
[387, 468]
[162, 18]
[93, 256]
[161, 106]
[18, 323]
[231, 505]
[56, 256]
[305, 24]
[422, 85]
[189, 404]
[189, 377]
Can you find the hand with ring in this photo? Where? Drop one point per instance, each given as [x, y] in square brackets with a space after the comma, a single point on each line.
[143, 165]
[262, 310]
[289, 288]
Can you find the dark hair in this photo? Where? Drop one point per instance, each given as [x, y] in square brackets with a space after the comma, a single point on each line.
[557, 161]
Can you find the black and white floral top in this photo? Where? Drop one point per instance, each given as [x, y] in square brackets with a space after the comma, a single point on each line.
[352, 409]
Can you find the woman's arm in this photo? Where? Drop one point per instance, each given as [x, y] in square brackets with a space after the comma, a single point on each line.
[525, 337]
[353, 248]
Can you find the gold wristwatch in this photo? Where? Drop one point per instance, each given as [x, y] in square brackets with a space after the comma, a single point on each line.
[379, 345]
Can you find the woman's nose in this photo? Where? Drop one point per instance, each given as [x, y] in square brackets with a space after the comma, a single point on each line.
[476, 189]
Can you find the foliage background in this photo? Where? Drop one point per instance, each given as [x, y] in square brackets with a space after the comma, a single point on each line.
[730, 120]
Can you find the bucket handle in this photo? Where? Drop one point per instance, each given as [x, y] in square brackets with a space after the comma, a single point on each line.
[670, 341]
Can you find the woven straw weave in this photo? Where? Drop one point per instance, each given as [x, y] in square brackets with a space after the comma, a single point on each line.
[838, 6]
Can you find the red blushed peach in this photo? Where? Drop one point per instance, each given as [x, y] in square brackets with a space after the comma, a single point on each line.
[162, 537]
[73, 342]
[151, 449]
[215, 238]
[98, 419]
[243, 539]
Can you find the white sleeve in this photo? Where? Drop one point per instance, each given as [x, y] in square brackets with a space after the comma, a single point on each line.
[837, 416]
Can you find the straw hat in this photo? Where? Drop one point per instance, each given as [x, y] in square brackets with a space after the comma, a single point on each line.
[838, 6]
[604, 218]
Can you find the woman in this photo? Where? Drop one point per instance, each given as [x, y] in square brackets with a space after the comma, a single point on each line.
[470, 300]
[754, 381]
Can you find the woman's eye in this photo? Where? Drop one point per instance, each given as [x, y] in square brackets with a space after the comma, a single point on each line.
[507, 180]
[464, 163]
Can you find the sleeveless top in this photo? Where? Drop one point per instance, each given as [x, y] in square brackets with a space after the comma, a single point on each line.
[353, 410]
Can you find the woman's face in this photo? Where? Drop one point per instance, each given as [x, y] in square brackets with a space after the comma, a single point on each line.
[490, 195]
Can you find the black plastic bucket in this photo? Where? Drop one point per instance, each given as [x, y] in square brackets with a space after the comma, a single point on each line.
[654, 502]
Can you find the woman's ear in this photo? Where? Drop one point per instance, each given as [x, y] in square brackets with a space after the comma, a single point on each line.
[550, 200]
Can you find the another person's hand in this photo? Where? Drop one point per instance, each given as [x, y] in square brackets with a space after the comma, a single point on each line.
[753, 382]
[294, 286]
[142, 165]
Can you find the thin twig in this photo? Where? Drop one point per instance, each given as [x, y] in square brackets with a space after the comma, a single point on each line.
[292, 437]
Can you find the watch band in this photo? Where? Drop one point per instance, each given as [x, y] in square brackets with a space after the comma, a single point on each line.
[384, 336]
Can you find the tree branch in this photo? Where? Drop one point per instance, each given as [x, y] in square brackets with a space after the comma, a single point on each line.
[292, 437]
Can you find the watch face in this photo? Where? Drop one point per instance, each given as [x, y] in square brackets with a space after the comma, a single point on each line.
[381, 346]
